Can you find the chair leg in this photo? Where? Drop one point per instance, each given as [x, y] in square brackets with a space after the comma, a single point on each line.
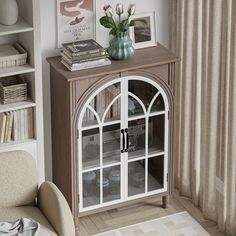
[165, 200]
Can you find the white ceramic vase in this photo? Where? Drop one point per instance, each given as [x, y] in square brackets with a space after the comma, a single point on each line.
[8, 12]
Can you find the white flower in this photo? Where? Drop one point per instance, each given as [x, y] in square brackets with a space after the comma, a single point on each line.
[108, 10]
[131, 9]
[119, 9]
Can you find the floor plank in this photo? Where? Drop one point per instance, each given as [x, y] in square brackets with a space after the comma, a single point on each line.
[138, 213]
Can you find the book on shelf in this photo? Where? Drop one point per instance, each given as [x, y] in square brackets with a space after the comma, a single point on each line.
[16, 125]
[3, 118]
[9, 131]
[86, 65]
[83, 47]
[6, 127]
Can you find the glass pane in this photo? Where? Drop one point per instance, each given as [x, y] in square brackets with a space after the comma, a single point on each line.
[155, 173]
[104, 98]
[137, 138]
[91, 149]
[111, 144]
[89, 119]
[136, 177]
[91, 188]
[143, 90]
[114, 112]
[134, 107]
[156, 134]
[111, 183]
[158, 105]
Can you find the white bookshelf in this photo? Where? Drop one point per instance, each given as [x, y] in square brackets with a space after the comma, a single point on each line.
[27, 32]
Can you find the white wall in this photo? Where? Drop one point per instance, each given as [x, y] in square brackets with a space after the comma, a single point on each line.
[48, 44]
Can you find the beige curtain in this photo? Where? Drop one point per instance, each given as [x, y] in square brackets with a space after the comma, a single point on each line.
[203, 34]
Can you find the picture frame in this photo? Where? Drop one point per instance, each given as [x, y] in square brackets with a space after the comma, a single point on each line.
[76, 20]
[144, 36]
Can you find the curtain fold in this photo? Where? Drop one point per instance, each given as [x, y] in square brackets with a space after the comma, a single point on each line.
[203, 35]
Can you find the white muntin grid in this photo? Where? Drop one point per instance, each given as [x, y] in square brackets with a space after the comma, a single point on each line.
[124, 121]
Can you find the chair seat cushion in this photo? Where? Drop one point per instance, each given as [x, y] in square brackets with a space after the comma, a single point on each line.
[30, 212]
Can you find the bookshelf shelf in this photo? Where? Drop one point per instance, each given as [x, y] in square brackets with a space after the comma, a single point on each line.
[16, 70]
[17, 106]
[20, 27]
[19, 143]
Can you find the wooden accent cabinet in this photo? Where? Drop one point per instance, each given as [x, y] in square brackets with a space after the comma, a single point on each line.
[112, 131]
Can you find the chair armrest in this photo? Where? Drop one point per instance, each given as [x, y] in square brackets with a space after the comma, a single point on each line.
[56, 209]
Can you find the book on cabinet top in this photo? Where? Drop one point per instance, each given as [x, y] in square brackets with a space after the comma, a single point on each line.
[86, 65]
[84, 47]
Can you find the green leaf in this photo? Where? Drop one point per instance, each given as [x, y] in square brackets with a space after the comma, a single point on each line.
[107, 22]
[121, 27]
[124, 22]
[113, 31]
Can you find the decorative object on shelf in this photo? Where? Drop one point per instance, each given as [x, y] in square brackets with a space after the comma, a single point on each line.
[120, 45]
[144, 36]
[75, 20]
[8, 12]
[12, 55]
[89, 177]
[114, 176]
[105, 185]
[12, 89]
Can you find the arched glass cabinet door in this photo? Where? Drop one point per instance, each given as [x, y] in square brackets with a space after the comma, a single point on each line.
[99, 147]
[123, 143]
[147, 137]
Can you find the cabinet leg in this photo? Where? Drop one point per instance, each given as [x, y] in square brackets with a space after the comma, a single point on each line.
[165, 201]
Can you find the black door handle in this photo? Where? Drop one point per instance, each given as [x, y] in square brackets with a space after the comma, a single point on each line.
[123, 141]
[127, 140]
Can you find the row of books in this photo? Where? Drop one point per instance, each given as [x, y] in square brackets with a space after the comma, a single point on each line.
[102, 101]
[16, 125]
[84, 55]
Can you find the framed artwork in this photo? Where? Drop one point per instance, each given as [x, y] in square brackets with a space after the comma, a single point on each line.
[75, 20]
[144, 36]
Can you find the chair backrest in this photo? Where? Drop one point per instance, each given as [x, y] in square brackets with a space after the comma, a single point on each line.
[18, 179]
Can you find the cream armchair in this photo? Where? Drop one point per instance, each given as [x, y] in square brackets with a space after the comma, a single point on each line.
[20, 196]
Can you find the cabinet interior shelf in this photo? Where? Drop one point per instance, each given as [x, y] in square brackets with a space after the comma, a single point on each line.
[16, 106]
[20, 27]
[17, 70]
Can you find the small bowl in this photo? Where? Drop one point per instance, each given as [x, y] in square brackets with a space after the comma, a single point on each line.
[89, 177]
[114, 176]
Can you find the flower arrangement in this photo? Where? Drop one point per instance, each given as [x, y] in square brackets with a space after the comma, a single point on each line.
[108, 21]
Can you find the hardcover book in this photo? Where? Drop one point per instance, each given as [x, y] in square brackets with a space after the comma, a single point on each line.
[79, 48]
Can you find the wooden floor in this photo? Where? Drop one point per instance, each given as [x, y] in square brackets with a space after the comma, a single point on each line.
[117, 218]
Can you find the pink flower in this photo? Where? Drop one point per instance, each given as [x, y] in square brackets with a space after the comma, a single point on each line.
[119, 9]
[131, 9]
[108, 10]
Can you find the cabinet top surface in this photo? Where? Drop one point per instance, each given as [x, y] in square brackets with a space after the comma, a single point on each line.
[147, 57]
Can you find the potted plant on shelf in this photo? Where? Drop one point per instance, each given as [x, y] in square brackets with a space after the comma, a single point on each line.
[121, 46]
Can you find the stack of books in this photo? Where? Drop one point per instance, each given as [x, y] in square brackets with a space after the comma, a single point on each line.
[16, 125]
[84, 55]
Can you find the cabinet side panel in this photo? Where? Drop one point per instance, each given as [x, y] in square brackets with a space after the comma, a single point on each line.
[61, 145]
